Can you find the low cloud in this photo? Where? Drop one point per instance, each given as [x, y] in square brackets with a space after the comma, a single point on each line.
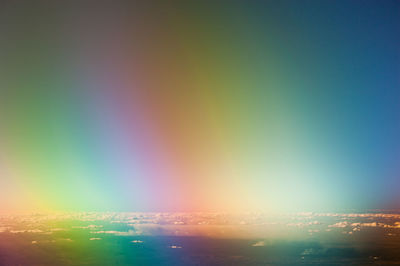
[92, 226]
[340, 224]
[26, 231]
[259, 244]
[117, 233]
[175, 247]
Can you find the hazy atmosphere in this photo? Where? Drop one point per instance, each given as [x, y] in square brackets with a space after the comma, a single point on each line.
[239, 109]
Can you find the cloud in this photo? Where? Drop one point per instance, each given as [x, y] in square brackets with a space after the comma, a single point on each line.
[259, 244]
[374, 224]
[26, 231]
[66, 239]
[118, 233]
[175, 246]
[95, 238]
[137, 241]
[106, 232]
[92, 226]
[340, 224]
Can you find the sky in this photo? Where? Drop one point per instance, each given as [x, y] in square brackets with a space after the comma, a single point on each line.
[199, 105]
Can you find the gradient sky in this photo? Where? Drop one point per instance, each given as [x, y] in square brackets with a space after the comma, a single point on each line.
[199, 106]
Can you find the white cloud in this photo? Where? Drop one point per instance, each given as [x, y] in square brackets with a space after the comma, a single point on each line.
[92, 226]
[175, 246]
[106, 232]
[374, 224]
[259, 244]
[340, 224]
[26, 231]
[118, 233]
